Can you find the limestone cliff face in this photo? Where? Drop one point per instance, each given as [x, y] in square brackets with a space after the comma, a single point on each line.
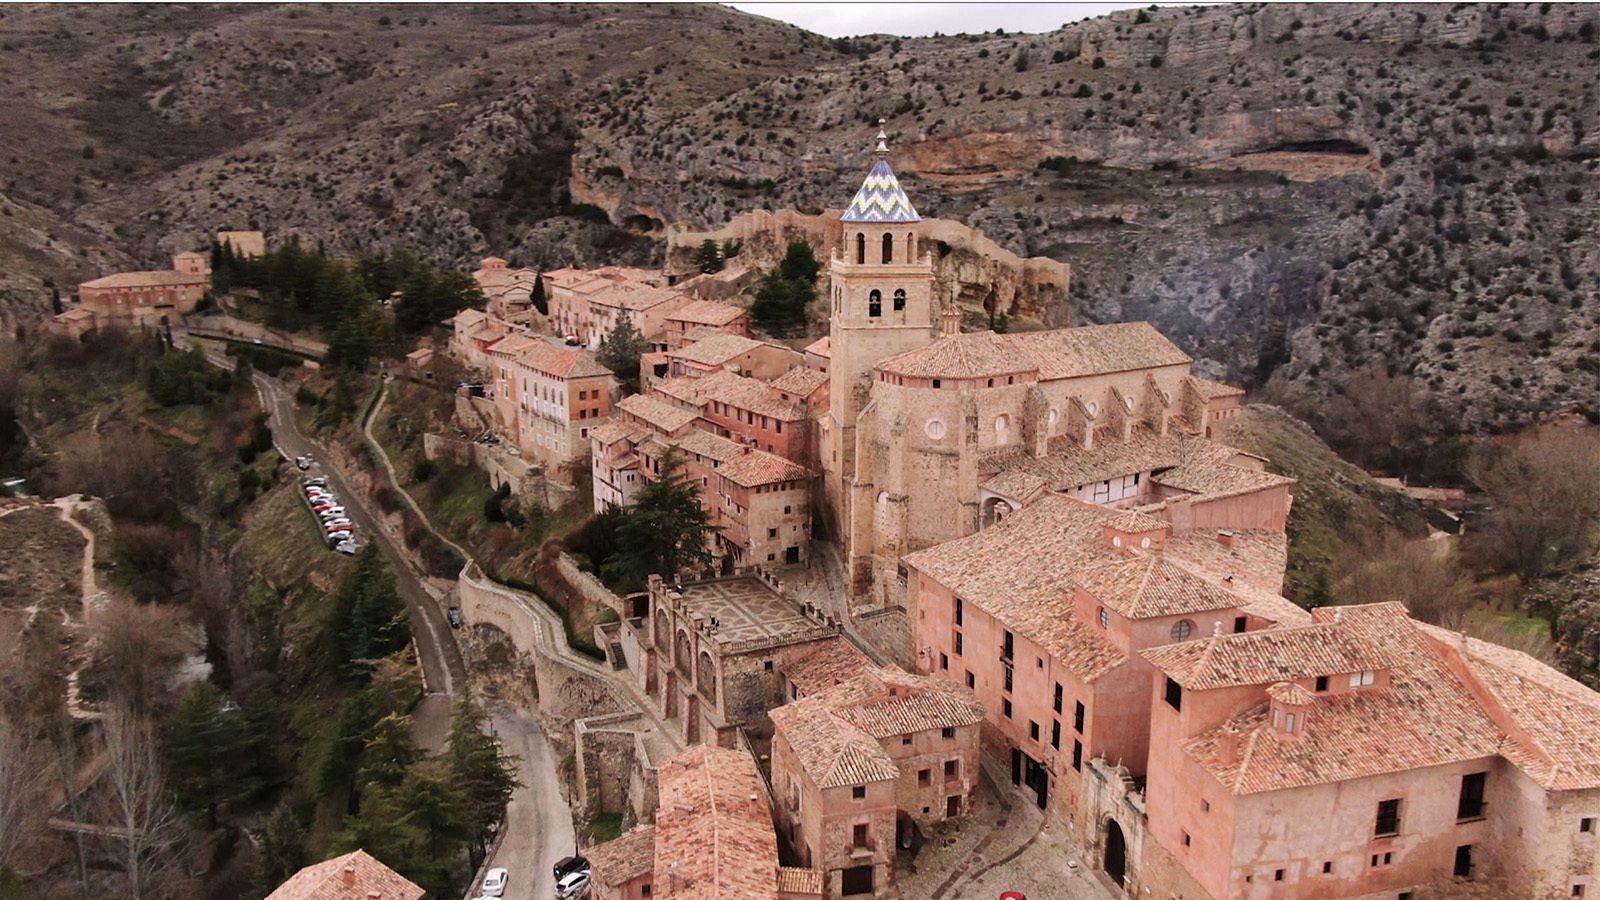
[1418, 181]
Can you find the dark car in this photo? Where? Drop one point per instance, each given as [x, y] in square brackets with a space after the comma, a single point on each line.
[571, 864]
[453, 616]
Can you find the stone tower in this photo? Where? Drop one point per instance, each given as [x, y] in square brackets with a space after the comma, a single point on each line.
[881, 297]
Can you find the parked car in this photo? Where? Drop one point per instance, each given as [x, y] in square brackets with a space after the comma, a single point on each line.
[338, 537]
[336, 525]
[302, 462]
[494, 883]
[572, 340]
[332, 512]
[573, 884]
[453, 616]
[569, 864]
[347, 547]
[318, 481]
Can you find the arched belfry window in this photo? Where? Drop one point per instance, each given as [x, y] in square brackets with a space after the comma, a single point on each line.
[861, 249]
[899, 299]
[888, 248]
[875, 304]
[911, 249]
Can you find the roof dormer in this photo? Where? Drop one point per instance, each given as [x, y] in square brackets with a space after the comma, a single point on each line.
[1290, 708]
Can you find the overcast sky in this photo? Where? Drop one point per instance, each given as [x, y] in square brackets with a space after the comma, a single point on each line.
[915, 19]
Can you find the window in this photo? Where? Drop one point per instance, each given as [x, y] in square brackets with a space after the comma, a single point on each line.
[1033, 731]
[772, 532]
[1464, 861]
[1205, 805]
[861, 249]
[1360, 679]
[899, 299]
[858, 836]
[1174, 694]
[1240, 623]
[1182, 630]
[958, 610]
[958, 643]
[952, 769]
[944, 662]
[1388, 821]
[972, 680]
[1077, 755]
[1105, 618]
[1007, 646]
[1008, 679]
[1322, 683]
[1577, 890]
[859, 792]
[947, 732]
[888, 249]
[905, 740]
[1327, 867]
[875, 304]
[1055, 735]
[1056, 703]
[1586, 825]
[924, 777]
[1005, 707]
[1186, 838]
[1077, 717]
[1470, 806]
[1277, 874]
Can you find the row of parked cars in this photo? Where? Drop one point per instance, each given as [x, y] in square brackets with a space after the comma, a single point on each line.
[573, 875]
[337, 528]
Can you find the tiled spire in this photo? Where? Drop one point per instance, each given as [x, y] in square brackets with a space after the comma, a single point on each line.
[881, 199]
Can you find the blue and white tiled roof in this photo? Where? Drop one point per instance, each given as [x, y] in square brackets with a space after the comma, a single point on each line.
[881, 199]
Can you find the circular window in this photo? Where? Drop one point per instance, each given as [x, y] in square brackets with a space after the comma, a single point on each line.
[1128, 402]
[1144, 543]
[1105, 618]
[934, 428]
[1182, 630]
[1092, 407]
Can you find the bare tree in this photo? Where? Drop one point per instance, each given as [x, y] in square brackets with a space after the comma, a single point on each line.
[144, 836]
[1545, 500]
[138, 649]
[1424, 575]
[22, 768]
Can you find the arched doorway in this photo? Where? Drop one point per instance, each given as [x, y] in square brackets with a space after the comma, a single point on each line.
[1116, 852]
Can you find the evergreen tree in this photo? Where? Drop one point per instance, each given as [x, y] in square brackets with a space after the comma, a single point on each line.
[485, 775]
[800, 263]
[212, 751]
[538, 298]
[1318, 592]
[280, 847]
[731, 248]
[620, 351]
[779, 307]
[336, 767]
[370, 621]
[386, 830]
[665, 531]
[388, 753]
[708, 256]
[438, 803]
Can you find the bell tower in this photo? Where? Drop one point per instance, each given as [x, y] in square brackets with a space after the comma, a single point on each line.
[881, 302]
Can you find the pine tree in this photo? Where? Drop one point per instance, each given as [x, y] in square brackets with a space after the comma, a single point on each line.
[620, 351]
[336, 767]
[388, 753]
[486, 776]
[369, 619]
[665, 531]
[538, 298]
[708, 256]
[211, 751]
[800, 263]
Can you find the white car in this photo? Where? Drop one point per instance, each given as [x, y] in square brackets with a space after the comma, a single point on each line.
[573, 884]
[332, 512]
[339, 537]
[347, 547]
[494, 883]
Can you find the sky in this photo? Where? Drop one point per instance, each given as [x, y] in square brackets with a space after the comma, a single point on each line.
[919, 19]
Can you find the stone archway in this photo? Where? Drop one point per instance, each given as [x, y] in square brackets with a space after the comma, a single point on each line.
[993, 510]
[1116, 855]
[683, 655]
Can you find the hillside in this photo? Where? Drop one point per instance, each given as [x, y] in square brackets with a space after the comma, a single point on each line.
[1287, 190]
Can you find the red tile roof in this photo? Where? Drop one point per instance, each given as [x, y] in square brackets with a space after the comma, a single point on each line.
[1063, 353]
[707, 312]
[834, 660]
[353, 876]
[758, 467]
[624, 858]
[714, 836]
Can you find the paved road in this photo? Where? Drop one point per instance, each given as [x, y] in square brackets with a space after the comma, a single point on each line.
[441, 658]
[538, 822]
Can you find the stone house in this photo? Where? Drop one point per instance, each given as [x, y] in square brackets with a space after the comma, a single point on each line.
[508, 290]
[713, 351]
[712, 839]
[546, 397]
[139, 299]
[748, 411]
[707, 653]
[587, 304]
[353, 876]
[857, 764]
[680, 323]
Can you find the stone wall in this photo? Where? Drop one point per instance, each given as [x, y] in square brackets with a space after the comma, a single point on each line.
[587, 586]
[605, 761]
[527, 480]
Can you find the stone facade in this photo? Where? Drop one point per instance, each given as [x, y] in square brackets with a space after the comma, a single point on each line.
[138, 299]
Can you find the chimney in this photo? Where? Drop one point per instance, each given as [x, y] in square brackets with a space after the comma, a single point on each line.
[1228, 746]
[1216, 628]
[950, 320]
[1225, 538]
[349, 875]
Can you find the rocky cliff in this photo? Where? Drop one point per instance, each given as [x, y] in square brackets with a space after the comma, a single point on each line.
[1416, 181]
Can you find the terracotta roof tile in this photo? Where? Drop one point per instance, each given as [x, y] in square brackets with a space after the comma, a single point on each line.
[714, 836]
[352, 876]
[1216, 479]
[834, 660]
[657, 413]
[560, 362]
[799, 881]
[623, 858]
[1267, 656]
[1210, 390]
[715, 349]
[1062, 353]
[800, 382]
[1150, 587]
[157, 278]
[707, 312]
[748, 394]
[822, 347]
[756, 467]
[1291, 693]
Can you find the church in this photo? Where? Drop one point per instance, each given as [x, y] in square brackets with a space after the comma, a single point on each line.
[933, 434]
